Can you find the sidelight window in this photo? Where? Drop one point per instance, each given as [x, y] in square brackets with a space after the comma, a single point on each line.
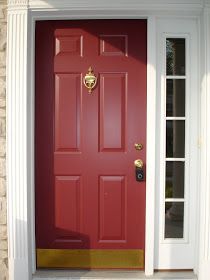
[175, 130]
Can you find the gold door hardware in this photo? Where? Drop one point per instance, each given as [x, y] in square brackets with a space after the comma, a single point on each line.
[138, 163]
[90, 258]
[138, 146]
[90, 80]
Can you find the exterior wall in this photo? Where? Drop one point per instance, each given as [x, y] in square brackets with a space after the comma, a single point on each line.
[3, 220]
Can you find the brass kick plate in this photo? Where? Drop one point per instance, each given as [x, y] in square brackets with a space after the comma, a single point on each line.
[92, 258]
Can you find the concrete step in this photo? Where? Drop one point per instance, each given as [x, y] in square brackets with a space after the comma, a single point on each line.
[110, 275]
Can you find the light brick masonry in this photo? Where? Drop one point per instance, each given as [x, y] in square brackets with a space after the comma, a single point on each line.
[3, 220]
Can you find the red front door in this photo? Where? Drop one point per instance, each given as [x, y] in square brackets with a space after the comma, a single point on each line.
[90, 210]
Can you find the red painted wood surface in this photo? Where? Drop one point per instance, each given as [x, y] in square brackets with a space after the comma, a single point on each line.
[86, 192]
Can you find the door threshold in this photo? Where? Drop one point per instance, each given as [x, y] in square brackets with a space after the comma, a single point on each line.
[110, 275]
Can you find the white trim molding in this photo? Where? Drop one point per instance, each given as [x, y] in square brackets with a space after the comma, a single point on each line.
[17, 186]
[17, 5]
[204, 244]
[137, 6]
[151, 141]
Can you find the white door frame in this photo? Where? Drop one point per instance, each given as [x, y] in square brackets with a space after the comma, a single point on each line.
[22, 15]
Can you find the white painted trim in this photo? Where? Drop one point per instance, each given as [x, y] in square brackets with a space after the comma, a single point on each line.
[138, 7]
[151, 140]
[204, 244]
[17, 152]
[31, 137]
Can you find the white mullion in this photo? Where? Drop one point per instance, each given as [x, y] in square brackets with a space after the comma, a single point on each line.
[163, 142]
[175, 159]
[175, 118]
[174, 77]
[186, 221]
[174, 199]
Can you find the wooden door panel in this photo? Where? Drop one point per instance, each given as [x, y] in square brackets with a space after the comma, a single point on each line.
[113, 196]
[113, 45]
[113, 90]
[71, 45]
[87, 197]
[68, 112]
[68, 202]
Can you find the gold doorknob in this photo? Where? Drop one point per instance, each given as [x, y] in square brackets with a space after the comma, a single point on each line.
[90, 80]
[138, 163]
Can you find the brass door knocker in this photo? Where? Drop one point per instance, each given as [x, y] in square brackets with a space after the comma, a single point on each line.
[90, 80]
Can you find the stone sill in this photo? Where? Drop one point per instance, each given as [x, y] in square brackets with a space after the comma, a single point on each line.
[110, 275]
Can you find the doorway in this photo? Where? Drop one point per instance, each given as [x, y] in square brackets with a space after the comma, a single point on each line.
[91, 143]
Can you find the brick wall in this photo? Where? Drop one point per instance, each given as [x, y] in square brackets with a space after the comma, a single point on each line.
[3, 220]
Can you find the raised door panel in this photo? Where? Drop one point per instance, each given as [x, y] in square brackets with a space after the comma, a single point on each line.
[69, 45]
[68, 203]
[67, 112]
[112, 213]
[113, 97]
[114, 45]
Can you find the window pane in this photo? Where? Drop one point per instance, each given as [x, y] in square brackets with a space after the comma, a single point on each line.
[175, 56]
[175, 139]
[174, 219]
[174, 179]
[175, 98]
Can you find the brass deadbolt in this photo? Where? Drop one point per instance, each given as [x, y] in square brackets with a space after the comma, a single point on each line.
[138, 146]
[138, 163]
